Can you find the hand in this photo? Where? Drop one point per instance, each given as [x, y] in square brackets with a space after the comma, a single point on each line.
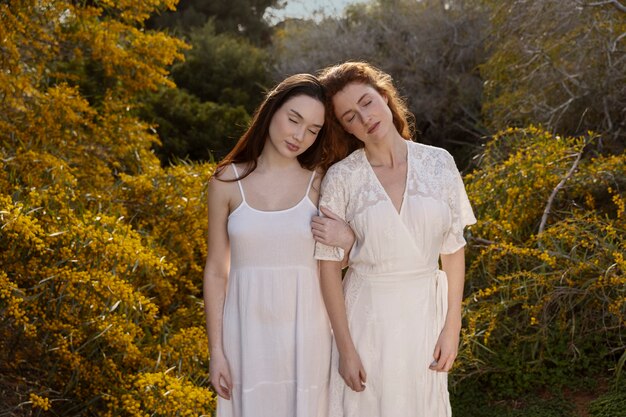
[446, 349]
[352, 371]
[220, 375]
[332, 230]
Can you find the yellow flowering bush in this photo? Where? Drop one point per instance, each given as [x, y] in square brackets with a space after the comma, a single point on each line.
[101, 249]
[159, 394]
[547, 278]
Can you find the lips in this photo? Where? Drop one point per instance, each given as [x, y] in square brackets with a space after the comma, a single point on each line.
[292, 147]
[373, 128]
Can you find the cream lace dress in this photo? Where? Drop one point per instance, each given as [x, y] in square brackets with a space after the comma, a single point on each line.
[395, 294]
[276, 333]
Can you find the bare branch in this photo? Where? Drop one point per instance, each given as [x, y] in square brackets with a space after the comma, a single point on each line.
[616, 41]
[615, 3]
[480, 240]
[546, 211]
[607, 114]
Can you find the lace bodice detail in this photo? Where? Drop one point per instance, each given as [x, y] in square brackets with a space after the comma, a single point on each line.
[350, 188]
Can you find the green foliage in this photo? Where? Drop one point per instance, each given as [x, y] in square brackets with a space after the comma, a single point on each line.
[221, 82]
[611, 404]
[431, 52]
[223, 69]
[544, 304]
[189, 128]
[237, 17]
[424, 54]
[470, 401]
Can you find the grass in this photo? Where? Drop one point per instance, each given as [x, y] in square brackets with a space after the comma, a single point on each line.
[584, 398]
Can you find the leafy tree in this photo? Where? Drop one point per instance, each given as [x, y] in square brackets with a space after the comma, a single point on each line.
[220, 83]
[223, 69]
[241, 17]
[431, 51]
[189, 128]
[560, 63]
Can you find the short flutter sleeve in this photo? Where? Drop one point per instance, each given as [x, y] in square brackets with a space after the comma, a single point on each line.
[333, 195]
[460, 210]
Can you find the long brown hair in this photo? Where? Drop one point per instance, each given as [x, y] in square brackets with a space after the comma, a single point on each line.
[250, 145]
[337, 77]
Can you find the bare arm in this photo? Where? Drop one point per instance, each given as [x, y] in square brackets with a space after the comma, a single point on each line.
[350, 367]
[454, 266]
[214, 285]
[448, 344]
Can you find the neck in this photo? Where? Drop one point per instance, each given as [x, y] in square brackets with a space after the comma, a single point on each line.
[388, 152]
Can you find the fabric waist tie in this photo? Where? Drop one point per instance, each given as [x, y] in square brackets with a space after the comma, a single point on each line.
[438, 277]
[397, 276]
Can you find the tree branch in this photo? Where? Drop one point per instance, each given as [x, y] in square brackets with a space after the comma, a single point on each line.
[481, 241]
[546, 211]
[615, 3]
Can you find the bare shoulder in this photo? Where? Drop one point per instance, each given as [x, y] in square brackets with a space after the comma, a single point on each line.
[314, 193]
[222, 188]
[319, 175]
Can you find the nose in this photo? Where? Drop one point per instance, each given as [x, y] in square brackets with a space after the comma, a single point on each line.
[367, 120]
[299, 134]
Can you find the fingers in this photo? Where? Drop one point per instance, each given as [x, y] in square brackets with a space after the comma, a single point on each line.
[320, 236]
[358, 380]
[437, 352]
[328, 213]
[320, 229]
[362, 378]
[317, 220]
[228, 380]
[437, 363]
[220, 389]
[444, 363]
[449, 362]
[222, 385]
[355, 383]
[322, 222]
[331, 230]
[358, 385]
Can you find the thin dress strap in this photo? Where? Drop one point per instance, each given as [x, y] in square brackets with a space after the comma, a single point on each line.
[310, 183]
[243, 196]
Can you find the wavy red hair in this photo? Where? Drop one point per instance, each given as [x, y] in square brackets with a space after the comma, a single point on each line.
[337, 77]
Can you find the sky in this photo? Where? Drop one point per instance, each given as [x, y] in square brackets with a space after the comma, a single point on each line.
[308, 9]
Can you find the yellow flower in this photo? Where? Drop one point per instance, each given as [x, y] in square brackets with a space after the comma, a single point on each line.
[39, 402]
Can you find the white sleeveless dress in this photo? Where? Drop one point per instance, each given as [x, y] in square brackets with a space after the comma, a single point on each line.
[395, 294]
[276, 333]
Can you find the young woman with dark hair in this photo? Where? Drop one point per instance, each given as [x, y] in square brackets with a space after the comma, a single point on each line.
[268, 329]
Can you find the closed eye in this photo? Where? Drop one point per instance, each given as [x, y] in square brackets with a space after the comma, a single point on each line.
[293, 120]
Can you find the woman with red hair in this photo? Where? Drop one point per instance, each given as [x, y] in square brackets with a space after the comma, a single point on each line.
[396, 321]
